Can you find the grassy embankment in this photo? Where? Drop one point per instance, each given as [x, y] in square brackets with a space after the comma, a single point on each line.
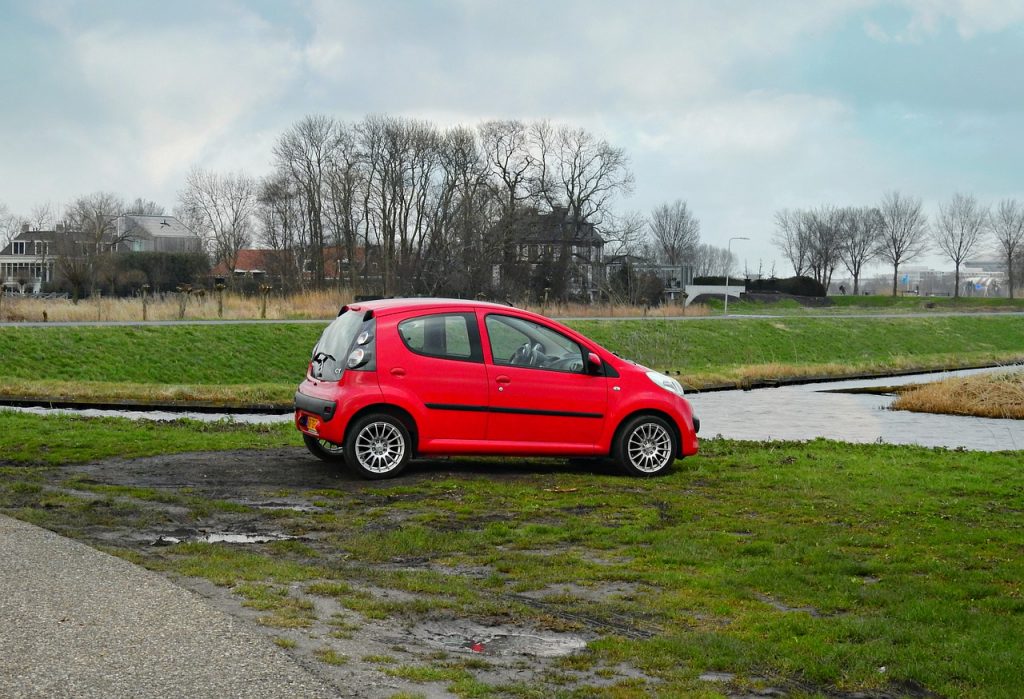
[803, 566]
[253, 363]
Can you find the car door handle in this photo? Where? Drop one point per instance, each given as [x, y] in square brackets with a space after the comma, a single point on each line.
[398, 371]
[503, 380]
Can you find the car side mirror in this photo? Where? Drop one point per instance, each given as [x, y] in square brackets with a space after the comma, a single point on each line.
[594, 364]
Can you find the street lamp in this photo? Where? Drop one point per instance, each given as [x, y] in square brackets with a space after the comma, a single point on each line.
[728, 264]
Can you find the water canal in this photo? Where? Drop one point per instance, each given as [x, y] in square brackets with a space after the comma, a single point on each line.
[785, 413]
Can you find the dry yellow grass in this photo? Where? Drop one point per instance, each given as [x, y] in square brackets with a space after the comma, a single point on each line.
[322, 304]
[998, 395]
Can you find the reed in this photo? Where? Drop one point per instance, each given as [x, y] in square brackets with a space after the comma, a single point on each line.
[999, 395]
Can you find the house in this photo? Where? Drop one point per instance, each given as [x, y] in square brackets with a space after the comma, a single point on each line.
[28, 261]
[562, 253]
[155, 234]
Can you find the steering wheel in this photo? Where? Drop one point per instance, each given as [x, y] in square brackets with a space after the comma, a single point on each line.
[523, 355]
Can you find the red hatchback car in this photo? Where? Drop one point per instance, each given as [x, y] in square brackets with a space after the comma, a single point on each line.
[397, 378]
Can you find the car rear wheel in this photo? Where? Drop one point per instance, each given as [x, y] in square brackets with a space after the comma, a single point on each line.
[646, 446]
[324, 450]
[378, 446]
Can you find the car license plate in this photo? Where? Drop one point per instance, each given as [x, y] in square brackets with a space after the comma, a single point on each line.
[312, 424]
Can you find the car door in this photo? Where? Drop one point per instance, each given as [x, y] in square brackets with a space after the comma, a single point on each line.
[541, 396]
[438, 367]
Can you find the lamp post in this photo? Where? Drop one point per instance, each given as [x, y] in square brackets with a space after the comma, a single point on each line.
[728, 264]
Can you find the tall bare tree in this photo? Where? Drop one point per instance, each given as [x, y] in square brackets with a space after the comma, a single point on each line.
[93, 233]
[904, 231]
[220, 207]
[1008, 229]
[675, 232]
[862, 231]
[792, 239]
[824, 230]
[959, 230]
[580, 171]
[306, 152]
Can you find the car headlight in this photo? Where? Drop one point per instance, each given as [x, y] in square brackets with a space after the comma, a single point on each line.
[666, 382]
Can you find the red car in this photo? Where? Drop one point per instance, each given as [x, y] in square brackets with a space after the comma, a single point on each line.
[398, 378]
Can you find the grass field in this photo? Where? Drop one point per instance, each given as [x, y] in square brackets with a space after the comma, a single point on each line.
[872, 304]
[245, 363]
[816, 568]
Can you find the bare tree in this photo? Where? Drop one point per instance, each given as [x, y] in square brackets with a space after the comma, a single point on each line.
[506, 145]
[144, 207]
[713, 261]
[675, 232]
[904, 231]
[93, 219]
[862, 231]
[10, 226]
[306, 152]
[959, 230]
[42, 217]
[221, 207]
[581, 172]
[1008, 229]
[792, 239]
[824, 232]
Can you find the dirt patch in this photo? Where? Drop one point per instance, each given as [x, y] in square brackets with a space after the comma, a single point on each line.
[366, 628]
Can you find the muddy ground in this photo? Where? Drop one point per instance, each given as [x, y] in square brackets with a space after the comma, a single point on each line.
[367, 636]
[276, 491]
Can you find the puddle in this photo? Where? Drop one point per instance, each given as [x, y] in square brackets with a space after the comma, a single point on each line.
[466, 637]
[222, 538]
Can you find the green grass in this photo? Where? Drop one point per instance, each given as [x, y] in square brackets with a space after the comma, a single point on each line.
[803, 565]
[264, 363]
[30, 439]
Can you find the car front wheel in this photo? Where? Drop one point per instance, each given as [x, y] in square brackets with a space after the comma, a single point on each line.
[378, 446]
[646, 446]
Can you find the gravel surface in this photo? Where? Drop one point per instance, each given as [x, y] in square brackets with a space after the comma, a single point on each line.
[76, 622]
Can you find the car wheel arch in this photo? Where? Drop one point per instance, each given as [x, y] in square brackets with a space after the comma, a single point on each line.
[677, 437]
[392, 410]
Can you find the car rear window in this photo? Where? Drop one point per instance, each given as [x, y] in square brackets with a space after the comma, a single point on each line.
[332, 350]
[445, 336]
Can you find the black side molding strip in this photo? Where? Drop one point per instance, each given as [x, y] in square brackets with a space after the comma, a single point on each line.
[510, 411]
[316, 406]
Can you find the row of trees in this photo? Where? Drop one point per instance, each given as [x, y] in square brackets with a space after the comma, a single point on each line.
[432, 210]
[817, 241]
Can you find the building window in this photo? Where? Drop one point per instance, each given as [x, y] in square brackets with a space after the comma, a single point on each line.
[19, 247]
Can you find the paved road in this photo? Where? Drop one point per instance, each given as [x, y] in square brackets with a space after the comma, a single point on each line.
[731, 316]
[75, 622]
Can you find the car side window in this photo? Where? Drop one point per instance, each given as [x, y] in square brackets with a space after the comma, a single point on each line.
[519, 342]
[445, 336]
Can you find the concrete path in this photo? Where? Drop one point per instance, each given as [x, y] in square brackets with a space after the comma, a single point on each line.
[75, 622]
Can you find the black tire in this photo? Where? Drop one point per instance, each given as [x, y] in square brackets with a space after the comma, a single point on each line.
[378, 446]
[324, 450]
[645, 446]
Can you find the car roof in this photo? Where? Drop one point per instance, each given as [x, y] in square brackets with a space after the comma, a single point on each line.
[395, 305]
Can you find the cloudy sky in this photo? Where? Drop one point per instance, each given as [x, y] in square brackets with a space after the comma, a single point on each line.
[740, 108]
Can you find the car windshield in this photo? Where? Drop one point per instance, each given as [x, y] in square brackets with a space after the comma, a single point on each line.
[331, 351]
